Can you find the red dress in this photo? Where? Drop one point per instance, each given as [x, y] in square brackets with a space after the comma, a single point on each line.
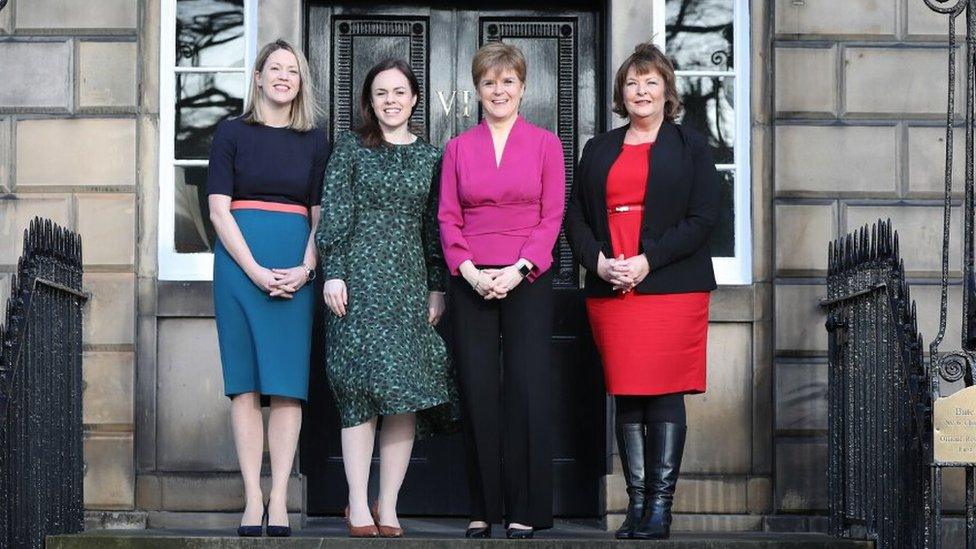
[650, 344]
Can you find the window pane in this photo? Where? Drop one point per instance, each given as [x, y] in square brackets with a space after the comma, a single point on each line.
[210, 33]
[193, 232]
[699, 34]
[723, 237]
[709, 108]
[202, 101]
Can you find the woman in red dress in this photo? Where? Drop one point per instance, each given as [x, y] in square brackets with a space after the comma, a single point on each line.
[641, 212]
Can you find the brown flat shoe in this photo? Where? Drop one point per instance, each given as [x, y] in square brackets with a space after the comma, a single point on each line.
[368, 531]
[384, 530]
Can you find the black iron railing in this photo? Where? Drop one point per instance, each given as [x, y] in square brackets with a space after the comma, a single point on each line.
[877, 392]
[41, 462]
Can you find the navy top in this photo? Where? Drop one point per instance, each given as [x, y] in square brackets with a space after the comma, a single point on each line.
[258, 162]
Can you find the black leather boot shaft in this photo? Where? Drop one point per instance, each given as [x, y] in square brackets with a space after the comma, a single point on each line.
[664, 446]
[630, 444]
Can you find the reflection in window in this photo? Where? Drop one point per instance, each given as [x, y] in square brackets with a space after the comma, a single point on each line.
[723, 236]
[193, 232]
[210, 33]
[699, 34]
[709, 107]
[203, 100]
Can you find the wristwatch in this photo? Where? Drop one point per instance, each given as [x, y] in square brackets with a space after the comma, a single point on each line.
[309, 272]
[524, 270]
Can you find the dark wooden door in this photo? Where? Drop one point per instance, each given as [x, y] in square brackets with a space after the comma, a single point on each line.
[562, 48]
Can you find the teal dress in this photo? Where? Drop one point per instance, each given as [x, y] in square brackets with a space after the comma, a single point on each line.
[379, 233]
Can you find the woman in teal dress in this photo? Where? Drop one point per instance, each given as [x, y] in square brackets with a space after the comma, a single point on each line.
[384, 285]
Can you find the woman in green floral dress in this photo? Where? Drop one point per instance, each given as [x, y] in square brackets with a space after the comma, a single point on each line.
[385, 278]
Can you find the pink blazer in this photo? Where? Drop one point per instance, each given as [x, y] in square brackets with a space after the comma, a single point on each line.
[493, 215]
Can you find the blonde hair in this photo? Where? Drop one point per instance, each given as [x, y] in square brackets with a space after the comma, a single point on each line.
[494, 56]
[305, 110]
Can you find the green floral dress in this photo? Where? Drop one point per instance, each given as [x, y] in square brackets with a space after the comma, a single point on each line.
[379, 234]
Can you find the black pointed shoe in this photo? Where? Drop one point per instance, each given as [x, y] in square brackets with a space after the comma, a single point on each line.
[664, 445]
[479, 532]
[630, 444]
[277, 531]
[519, 533]
[251, 531]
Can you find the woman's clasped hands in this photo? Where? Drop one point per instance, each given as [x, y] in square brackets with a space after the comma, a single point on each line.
[623, 273]
[281, 283]
[493, 283]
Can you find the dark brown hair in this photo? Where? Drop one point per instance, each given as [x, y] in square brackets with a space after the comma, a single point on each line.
[494, 56]
[369, 131]
[646, 58]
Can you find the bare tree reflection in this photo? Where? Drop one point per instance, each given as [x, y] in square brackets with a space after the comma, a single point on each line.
[204, 25]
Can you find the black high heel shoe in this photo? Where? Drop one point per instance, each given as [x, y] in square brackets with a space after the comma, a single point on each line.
[478, 532]
[519, 533]
[250, 531]
[278, 531]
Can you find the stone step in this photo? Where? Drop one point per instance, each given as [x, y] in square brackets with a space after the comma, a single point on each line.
[437, 534]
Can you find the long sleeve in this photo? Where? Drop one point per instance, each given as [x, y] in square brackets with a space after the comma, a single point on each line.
[436, 268]
[338, 209]
[220, 172]
[449, 215]
[579, 233]
[540, 242]
[691, 232]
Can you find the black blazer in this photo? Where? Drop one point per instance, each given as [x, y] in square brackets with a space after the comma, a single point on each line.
[681, 207]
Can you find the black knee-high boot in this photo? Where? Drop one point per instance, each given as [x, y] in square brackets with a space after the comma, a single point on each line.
[630, 443]
[664, 445]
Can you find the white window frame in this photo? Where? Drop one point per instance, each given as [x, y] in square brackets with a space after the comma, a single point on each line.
[737, 269]
[172, 265]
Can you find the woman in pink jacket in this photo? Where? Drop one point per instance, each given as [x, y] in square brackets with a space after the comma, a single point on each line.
[501, 205]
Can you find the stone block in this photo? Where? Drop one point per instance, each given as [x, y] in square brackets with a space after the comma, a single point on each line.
[870, 19]
[167, 520]
[109, 471]
[110, 315]
[919, 234]
[149, 30]
[6, 155]
[81, 151]
[785, 524]
[928, 300]
[5, 287]
[109, 387]
[107, 224]
[280, 19]
[716, 523]
[802, 234]
[96, 15]
[16, 214]
[720, 421]
[732, 304]
[801, 396]
[149, 492]
[193, 416]
[760, 496]
[107, 73]
[148, 196]
[115, 520]
[799, 318]
[710, 495]
[801, 475]
[926, 161]
[43, 75]
[925, 23]
[914, 81]
[218, 492]
[836, 160]
[806, 80]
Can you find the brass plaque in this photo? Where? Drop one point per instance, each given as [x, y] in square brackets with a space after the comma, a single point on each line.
[954, 418]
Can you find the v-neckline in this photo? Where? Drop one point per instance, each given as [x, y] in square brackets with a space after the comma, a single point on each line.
[491, 138]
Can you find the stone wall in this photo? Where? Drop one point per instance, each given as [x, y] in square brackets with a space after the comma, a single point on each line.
[860, 99]
[71, 122]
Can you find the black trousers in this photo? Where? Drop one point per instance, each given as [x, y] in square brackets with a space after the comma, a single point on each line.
[506, 399]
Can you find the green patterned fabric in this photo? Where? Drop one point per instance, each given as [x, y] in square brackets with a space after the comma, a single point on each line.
[379, 234]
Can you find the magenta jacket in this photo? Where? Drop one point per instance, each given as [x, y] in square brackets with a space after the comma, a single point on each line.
[493, 215]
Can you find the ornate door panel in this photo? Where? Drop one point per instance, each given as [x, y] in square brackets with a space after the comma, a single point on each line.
[440, 40]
